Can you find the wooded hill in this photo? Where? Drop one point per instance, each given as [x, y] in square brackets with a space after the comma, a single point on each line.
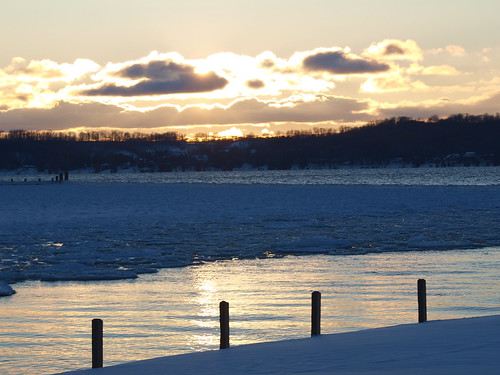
[457, 140]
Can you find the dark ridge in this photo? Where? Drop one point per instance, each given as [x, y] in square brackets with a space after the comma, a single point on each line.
[459, 139]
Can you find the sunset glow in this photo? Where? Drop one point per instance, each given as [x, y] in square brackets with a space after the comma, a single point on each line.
[185, 79]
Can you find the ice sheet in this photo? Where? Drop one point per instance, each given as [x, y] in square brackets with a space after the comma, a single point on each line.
[82, 231]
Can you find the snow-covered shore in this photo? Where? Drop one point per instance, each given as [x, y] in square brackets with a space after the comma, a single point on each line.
[458, 346]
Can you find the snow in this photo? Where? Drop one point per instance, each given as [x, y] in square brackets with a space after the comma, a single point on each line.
[459, 346]
[6, 290]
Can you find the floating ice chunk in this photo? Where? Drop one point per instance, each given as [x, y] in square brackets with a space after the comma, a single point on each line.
[6, 290]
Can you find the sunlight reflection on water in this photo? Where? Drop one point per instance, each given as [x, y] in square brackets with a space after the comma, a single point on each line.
[45, 328]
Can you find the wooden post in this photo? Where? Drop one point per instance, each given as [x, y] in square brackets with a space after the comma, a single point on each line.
[97, 351]
[224, 325]
[422, 301]
[316, 314]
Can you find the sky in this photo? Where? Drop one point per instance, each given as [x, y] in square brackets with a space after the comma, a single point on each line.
[230, 67]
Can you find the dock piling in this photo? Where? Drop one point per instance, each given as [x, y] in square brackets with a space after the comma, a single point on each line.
[422, 301]
[224, 325]
[97, 343]
[316, 314]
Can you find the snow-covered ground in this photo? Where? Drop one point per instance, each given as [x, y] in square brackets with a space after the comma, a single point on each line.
[448, 347]
[82, 231]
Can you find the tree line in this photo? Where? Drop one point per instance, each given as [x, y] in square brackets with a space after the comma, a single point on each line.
[89, 136]
[459, 139]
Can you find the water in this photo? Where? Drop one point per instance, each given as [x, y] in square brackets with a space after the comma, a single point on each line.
[46, 326]
[376, 231]
[348, 176]
[112, 230]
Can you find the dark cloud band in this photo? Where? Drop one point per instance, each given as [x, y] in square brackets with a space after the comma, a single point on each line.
[337, 62]
[160, 78]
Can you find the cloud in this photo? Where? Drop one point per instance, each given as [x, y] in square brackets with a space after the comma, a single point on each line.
[305, 109]
[443, 107]
[159, 78]
[226, 89]
[452, 49]
[255, 83]
[340, 62]
[41, 69]
[394, 49]
[157, 70]
[62, 116]
[267, 64]
[392, 83]
[49, 70]
[434, 70]
[41, 83]
[298, 112]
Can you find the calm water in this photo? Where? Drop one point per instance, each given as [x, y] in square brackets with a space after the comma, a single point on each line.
[45, 328]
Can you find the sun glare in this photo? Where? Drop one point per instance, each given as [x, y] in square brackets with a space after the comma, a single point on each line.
[230, 133]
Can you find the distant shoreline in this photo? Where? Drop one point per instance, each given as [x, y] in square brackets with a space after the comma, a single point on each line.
[459, 140]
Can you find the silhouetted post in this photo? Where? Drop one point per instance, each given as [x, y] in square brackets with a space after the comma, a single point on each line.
[316, 314]
[97, 351]
[224, 325]
[61, 176]
[422, 301]
[66, 175]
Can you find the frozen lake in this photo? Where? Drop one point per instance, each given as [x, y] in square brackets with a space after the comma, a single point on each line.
[100, 228]
[239, 236]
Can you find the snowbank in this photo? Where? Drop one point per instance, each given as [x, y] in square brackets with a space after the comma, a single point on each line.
[459, 346]
[6, 290]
